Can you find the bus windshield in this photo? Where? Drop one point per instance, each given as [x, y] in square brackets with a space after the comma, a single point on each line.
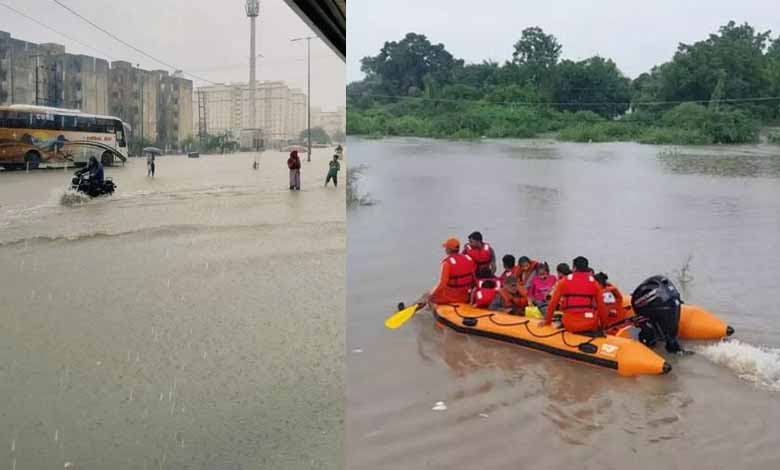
[120, 133]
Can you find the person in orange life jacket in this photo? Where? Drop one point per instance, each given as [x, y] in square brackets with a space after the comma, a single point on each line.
[580, 299]
[484, 275]
[510, 298]
[509, 264]
[482, 296]
[613, 301]
[456, 279]
[525, 270]
[482, 253]
[541, 288]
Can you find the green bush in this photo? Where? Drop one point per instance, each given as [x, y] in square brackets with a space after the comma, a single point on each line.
[774, 138]
[599, 132]
[666, 136]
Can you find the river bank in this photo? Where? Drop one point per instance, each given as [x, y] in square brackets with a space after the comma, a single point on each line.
[688, 124]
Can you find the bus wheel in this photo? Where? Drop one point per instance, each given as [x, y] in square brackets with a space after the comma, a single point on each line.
[107, 159]
[32, 159]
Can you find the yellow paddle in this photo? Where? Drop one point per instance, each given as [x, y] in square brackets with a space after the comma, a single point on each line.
[402, 316]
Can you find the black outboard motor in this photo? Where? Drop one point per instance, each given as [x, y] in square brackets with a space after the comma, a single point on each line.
[658, 300]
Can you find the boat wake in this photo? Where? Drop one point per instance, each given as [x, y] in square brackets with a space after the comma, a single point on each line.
[755, 364]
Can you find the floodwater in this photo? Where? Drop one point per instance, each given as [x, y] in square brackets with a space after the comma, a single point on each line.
[190, 321]
[634, 211]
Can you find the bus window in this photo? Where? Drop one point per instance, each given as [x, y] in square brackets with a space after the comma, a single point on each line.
[70, 123]
[120, 134]
[15, 119]
[44, 121]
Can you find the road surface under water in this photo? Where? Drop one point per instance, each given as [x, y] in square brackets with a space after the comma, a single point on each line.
[634, 211]
[190, 321]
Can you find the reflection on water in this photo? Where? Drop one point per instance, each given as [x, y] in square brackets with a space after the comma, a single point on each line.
[633, 213]
[188, 321]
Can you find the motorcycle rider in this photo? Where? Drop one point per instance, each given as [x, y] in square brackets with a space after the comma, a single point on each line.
[95, 170]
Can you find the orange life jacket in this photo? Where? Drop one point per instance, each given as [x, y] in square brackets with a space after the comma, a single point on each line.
[613, 301]
[482, 256]
[484, 296]
[497, 280]
[578, 293]
[517, 302]
[461, 271]
[524, 276]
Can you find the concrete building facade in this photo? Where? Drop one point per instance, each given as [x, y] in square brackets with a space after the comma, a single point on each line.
[154, 102]
[333, 122]
[280, 111]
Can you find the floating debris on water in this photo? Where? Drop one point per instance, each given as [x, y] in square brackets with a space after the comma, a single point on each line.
[439, 406]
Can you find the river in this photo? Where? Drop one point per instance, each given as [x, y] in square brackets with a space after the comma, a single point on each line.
[190, 321]
[634, 211]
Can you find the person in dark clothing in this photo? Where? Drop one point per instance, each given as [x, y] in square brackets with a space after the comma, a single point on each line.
[95, 170]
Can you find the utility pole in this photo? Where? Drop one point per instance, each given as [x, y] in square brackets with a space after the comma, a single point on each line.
[141, 75]
[308, 92]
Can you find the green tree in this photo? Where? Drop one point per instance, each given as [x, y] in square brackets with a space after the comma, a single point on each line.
[536, 53]
[593, 84]
[402, 66]
[318, 136]
[339, 136]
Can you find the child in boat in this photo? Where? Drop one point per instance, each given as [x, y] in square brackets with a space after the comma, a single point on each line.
[510, 298]
[563, 270]
[541, 287]
[509, 265]
[525, 270]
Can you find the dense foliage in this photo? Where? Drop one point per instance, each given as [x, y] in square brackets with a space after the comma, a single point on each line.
[318, 136]
[719, 90]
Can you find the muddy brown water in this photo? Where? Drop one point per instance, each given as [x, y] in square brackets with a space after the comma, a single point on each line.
[192, 321]
[634, 211]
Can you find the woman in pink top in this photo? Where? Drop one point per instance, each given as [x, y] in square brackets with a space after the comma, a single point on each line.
[541, 285]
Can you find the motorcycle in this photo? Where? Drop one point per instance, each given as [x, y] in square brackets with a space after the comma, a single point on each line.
[83, 184]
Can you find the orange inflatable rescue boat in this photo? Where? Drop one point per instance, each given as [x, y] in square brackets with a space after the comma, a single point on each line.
[617, 351]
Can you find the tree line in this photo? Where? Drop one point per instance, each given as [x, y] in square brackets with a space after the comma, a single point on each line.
[717, 90]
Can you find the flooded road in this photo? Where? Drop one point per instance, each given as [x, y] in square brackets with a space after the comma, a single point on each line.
[634, 211]
[190, 321]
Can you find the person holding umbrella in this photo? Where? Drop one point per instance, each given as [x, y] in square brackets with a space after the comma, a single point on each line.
[294, 164]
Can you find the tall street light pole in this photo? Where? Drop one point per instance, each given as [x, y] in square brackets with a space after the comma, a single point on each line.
[308, 92]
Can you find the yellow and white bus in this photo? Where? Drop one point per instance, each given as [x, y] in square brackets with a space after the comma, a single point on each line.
[40, 136]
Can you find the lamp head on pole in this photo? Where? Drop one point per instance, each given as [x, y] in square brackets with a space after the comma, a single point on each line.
[252, 8]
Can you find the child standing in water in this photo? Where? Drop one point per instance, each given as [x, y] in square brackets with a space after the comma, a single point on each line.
[333, 171]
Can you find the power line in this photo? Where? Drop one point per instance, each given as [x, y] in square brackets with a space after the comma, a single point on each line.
[20, 13]
[565, 103]
[166, 64]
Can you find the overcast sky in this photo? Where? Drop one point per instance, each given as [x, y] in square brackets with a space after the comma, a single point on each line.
[636, 34]
[209, 38]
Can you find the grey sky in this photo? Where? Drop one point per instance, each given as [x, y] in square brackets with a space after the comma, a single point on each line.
[637, 35]
[206, 37]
